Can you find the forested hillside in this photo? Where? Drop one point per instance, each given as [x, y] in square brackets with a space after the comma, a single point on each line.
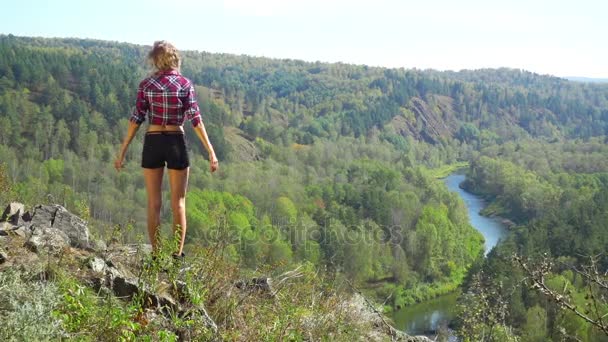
[320, 163]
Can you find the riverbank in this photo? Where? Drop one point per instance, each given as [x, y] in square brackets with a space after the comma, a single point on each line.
[446, 170]
[427, 318]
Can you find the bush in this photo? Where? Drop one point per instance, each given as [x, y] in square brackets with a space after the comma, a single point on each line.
[26, 309]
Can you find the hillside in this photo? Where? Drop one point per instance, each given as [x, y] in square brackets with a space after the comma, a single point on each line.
[329, 165]
[59, 283]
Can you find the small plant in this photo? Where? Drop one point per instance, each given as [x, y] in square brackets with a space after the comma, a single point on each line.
[26, 307]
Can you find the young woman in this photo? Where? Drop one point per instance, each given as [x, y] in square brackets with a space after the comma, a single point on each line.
[168, 99]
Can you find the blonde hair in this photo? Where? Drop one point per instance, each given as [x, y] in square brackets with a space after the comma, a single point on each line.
[164, 56]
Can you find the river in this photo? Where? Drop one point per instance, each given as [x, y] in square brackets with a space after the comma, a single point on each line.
[422, 318]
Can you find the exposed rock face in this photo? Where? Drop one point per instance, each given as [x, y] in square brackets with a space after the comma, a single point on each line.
[123, 285]
[260, 284]
[431, 120]
[3, 256]
[75, 227]
[360, 307]
[58, 217]
[49, 225]
[47, 239]
[98, 265]
[12, 213]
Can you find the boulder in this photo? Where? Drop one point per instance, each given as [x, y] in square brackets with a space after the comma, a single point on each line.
[22, 232]
[75, 227]
[262, 285]
[98, 265]
[7, 229]
[47, 239]
[13, 212]
[3, 256]
[58, 217]
[98, 245]
[27, 217]
[43, 216]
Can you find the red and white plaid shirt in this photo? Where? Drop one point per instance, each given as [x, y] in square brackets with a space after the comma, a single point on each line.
[168, 98]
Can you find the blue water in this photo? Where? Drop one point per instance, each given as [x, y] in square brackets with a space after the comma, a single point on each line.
[491, 228]
[422, 318]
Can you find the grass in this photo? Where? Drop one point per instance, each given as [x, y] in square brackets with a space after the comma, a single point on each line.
[304, 304]
[446, 170]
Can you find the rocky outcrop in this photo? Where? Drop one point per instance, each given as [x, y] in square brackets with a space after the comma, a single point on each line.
[261, 285]
[56, 216]
[117, 279]
[3, 256]
[51, 230]
[432, 120]
[49, 227]
[362, 308]
[51, 240]
[13, 213]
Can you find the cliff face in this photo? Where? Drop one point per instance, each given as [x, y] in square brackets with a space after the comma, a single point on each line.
[431, 121]
[83, 287]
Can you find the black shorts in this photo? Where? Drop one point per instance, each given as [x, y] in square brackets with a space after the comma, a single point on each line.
[162, 148]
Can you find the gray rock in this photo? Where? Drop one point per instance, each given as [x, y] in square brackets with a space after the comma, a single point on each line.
[3, 256]
[43, 216]
[58, 217]
[27, 217]
[261, 285]
[97, 265]
[98, 245]
[13, 212]
[47, 239]
[9, 229]
[5, 226]
[167, 300]
[124, 287]
[75, 227]
[22, 232]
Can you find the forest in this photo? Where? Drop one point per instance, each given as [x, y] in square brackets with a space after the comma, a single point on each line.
[332, 165]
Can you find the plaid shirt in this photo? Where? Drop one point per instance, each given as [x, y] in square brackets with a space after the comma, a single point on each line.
[168, 98]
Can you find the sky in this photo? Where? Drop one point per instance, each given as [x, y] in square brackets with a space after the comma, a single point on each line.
[561, 38]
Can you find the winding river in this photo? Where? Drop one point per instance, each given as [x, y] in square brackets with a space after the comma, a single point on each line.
[426, 317]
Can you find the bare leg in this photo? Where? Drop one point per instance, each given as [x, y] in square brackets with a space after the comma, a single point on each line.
[178, 181]
[154, 179]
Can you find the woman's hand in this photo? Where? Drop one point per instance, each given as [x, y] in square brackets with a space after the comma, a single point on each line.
[118, 163]
[213, 163]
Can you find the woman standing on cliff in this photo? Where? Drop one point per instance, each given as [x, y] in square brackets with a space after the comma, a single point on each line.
[168, 99]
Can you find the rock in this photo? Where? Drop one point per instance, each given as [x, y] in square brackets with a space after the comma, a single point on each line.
[75, 227]
[98, 245]
[47, 239]
[58, 217]
[97, 265]
[13, 212]
[5, 226]
[260, 285]
[22, 232]
[3, 256]
[8, 230]
[27, 217]
[43, 216]
[124, 287]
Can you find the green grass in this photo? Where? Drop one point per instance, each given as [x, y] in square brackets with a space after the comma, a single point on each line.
[446, 170]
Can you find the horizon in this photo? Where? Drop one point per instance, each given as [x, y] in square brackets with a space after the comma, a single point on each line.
[545, 38]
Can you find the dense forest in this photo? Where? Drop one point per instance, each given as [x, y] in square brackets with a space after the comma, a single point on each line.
[328, 164]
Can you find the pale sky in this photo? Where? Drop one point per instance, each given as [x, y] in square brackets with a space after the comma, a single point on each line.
[562, 38]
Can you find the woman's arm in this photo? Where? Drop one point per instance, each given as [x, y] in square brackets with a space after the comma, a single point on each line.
[133, 127]
[204, 138]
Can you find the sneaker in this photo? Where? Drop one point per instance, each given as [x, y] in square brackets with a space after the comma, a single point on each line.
[180, 262]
